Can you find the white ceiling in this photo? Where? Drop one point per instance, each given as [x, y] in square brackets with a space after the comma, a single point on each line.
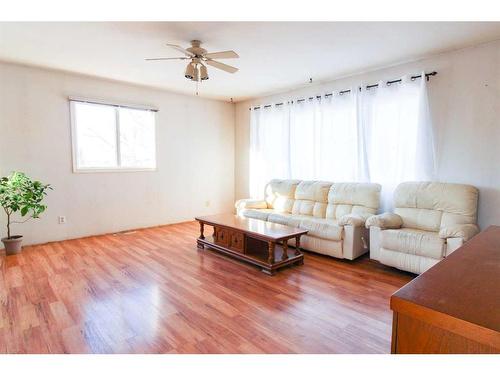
[274, 56]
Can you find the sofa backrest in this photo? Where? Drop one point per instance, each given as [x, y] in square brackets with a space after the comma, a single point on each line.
[433, 205]
[322, 199]
[311, 198]
[352, 197]
[280, 194]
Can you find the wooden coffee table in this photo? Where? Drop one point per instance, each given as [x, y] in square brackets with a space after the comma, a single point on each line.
[254, 241]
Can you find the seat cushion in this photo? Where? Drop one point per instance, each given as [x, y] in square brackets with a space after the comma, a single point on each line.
[322, 228]
[286, 219]
[255, 213]
[413, 241]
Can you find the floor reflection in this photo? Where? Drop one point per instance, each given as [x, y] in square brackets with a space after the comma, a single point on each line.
[114, 321]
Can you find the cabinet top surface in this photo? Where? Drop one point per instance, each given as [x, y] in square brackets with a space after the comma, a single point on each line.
[465, 285]
[261, 228]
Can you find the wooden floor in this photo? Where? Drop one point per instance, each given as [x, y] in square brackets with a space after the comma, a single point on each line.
[153, 291]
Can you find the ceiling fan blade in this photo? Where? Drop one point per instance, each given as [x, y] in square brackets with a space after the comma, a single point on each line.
[221, 66]
[180, 49]
[222, 55]
[167, 58]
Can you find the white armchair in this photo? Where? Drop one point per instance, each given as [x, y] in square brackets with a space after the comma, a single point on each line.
[430, 221]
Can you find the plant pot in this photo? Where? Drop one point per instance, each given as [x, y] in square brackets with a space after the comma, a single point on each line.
[13, 245]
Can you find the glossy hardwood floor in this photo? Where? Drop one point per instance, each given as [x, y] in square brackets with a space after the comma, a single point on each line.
[153, 291]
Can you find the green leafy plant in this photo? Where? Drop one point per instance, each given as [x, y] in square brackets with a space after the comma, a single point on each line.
[18, 193]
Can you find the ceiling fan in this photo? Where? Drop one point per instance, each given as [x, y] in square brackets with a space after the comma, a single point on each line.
[196, 69]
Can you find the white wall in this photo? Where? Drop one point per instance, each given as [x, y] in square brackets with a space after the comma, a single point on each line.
[465, 104]
[195, 156]
[203, 144]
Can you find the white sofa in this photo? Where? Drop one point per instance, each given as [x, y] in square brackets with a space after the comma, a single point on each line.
[333, 213]
[429, 222]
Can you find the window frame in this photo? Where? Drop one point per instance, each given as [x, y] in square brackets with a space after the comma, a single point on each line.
[118, 168]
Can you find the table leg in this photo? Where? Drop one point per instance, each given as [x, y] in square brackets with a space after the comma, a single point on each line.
[285, 250]
[297, 245]
[270, 258]
[202, 227]
[202, 237]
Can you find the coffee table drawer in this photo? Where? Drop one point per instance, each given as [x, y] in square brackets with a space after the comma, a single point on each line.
[222, 236]
[237, 242]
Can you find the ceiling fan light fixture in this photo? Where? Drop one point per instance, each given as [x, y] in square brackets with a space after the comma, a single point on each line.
[196, 75]
[203, 73]
[198, 57]
[190, 71]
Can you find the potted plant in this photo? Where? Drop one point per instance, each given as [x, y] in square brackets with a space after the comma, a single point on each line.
[18, 193]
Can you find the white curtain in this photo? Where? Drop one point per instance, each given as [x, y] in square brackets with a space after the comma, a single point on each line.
[399, 143]
[338, 157]
[269, 146]
[304, 127]
[381, 134]
[323, 139]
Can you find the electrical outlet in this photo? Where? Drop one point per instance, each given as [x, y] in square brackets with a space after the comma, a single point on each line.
[207, 203]
[61, 219]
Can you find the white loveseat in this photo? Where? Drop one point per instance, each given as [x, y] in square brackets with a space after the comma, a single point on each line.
[430, 221]
[333, 213]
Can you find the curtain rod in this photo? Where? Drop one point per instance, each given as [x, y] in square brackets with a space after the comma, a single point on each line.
[427, 75]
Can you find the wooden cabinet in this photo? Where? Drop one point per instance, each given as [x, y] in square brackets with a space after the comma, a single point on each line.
[454, 306]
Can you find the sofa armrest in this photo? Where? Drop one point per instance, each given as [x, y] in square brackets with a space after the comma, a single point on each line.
[452, 244]
[250, 203]
[387, 220]
[464, 231]
[355, 220]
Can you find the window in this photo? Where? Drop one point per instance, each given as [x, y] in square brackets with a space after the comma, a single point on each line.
[111, 137]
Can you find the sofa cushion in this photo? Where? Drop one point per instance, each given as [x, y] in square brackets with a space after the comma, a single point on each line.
[319, 209]
[283, 204]
[316, 191]
[286, 219]
[346, 198]
[303, 207]
[311, 198]
[322, 228]
[420, 218]
[355, 194]
[413, 241]
[254, 213]
[280, 194]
